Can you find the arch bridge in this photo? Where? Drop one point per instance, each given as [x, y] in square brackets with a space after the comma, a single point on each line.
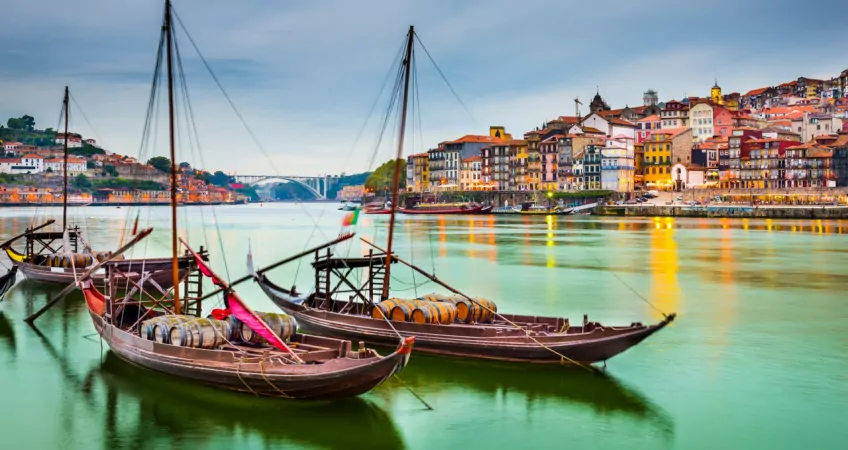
[318, 185]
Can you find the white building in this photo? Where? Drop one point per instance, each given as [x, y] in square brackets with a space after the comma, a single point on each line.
[23, 165]
[76, 166]
[611, 127]
[73, 141]
[701, 121]
[12, 147]
[688, 176]
[618, 166]
[452, 169]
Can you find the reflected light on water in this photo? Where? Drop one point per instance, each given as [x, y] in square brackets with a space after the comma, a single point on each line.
[665, 288]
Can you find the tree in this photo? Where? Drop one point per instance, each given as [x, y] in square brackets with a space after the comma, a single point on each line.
[160, 163]
[382, 177]
[221, 179]
[185, 166]
[81, 181]
[25, 123]
[49, 170]
[90, 164]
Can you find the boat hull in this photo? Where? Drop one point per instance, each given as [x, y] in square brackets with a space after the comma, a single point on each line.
[225, 369]
[470, 340]
[64, 276]
[479, 209]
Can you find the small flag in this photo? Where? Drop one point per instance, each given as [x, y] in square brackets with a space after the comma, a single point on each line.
[351, 218]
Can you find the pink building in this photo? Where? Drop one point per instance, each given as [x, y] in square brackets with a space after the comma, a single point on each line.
[644, 127]
[722, 121]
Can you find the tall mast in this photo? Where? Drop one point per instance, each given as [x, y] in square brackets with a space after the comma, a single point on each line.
[65, 170]
[174, 244]
[407, 65]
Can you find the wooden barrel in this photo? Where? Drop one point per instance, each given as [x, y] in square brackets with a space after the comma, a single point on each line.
[159, 328]
[487, 314]
[466, 310]
[434, 312]
[384, 308]
[284, 326]
[200, 333]
[425, 312]
[403, 311]
[82, 259]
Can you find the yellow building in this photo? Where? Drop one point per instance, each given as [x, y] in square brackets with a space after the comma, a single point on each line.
[519, 168]
[657, 160]
[499, 133]
[639, 164]
[421, 174]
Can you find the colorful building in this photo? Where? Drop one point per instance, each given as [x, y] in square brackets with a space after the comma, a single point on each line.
[470, 174]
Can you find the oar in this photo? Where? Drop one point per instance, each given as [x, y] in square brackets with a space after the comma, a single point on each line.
[143, 234]
[341, 238]
[7, 243]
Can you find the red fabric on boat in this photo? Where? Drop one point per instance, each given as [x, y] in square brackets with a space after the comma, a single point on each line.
[220, 314]
[249, 318]
[203, 269]
[95, 301]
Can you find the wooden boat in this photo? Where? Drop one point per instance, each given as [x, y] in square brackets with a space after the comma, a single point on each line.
[165, 331]
[446, 208]
[330, 368]
[321, 313]
[342, 308]
[39, 265]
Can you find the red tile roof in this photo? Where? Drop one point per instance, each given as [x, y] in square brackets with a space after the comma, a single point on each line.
[32, 156]
[756, 91]
[654, 118]
[622, 122]
[473, 158]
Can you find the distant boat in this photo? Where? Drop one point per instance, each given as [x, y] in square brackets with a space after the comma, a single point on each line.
[348, 206]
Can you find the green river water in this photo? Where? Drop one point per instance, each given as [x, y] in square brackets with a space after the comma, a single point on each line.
[758, 357]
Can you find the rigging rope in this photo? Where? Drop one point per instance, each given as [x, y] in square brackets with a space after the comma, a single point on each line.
[446, 80]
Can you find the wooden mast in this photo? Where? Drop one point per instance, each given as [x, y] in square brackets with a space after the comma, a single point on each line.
[407, 64]
[174, 243]
[65, 170]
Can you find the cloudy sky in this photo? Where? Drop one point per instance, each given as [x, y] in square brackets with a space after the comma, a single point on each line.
[305, 73]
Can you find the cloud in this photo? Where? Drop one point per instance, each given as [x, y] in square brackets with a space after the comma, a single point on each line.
[304, 74]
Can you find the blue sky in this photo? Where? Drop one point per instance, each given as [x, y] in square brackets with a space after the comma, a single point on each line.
[304, 74]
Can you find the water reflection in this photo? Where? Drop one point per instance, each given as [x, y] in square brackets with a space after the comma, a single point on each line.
[665, 288]
[7, 335]
[440, 377]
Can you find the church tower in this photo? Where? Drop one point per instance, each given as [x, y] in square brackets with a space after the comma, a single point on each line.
[715, 94]
[598, 104]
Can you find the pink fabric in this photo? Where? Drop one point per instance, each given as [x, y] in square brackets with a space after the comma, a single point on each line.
[243, 313]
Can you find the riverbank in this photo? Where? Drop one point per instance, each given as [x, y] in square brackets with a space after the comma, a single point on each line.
[726, 211]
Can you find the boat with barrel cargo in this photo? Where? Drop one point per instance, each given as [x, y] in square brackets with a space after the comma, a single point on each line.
[234, 348]
[342, 306]
[447, 208]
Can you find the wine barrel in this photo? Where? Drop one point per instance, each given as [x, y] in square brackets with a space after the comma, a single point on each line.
[159, 328]
[200, 333]
[282, 325]
[466, 310]
[434, 312]
[82, 259]
[403, 311]
[487, 314]
[424, 312]
[384, 308]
